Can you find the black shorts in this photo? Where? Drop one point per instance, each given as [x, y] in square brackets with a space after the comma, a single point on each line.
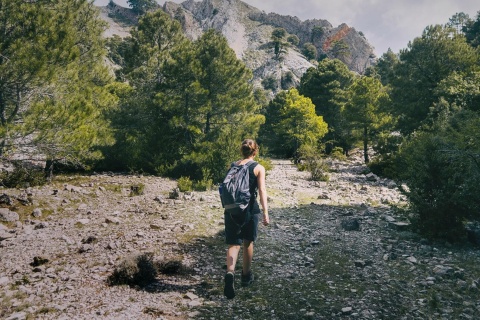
[235, 235]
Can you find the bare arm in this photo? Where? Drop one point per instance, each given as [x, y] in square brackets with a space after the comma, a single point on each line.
[262, 192]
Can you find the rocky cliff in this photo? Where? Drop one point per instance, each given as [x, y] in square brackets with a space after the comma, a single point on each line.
[248, 31]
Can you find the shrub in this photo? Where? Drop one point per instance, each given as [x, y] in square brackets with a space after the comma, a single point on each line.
[185, 184]
[137, 190]
[442, 173]
[266, 163]
[338, 153]
[310, 159]
[22, 176]
[203, 185]
[135, 270]
[293, 40]
[269, 83]
[287, 80]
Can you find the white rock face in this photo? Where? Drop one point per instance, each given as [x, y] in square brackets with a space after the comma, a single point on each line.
[248, 31]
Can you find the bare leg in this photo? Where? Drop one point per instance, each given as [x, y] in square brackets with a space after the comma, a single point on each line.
[247, 256]
[232, 254]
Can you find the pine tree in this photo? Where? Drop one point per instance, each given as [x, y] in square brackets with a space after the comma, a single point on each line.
[364, 112]
[228, 110]
[54, 85]
[326, 85]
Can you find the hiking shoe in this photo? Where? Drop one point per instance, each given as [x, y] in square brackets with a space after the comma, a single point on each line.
[229, 290]
[247, 279]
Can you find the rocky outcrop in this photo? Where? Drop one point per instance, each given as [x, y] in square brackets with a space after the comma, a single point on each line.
[248, 31]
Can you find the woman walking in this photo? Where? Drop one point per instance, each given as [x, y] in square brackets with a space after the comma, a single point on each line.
[237, 234]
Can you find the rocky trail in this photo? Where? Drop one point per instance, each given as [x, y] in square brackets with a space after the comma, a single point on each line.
[334, 250]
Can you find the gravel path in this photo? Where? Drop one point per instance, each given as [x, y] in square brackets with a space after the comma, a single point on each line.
[334, 250]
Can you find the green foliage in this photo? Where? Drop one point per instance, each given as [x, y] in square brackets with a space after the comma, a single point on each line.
[188, 105]
[310, 159]
[317, 33]
[291, 123]
[458, 21]
[327, 86]
[185, 184]
[142, 6]
[270, 83]
[364, 113]
[22, 176]
[293, 40]
[54, 88]
[338, 153]
[442, 171]
[472, 31]
[287, 80]
[137, 189]
[340, 50]
[427, 61]
[462, 91]
[310, 51]
[278, 34]
[385, 67]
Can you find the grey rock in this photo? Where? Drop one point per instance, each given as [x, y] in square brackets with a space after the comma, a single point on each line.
[371, 177]
[350, 224]
[83, 221]
[112, 220]
[37, 213]
[82, 207]
[67, 239]
[399, 225]
[17, 316]
[6, 200]
[5, 235]
[8, 216]
[174, 194]
[41, 225]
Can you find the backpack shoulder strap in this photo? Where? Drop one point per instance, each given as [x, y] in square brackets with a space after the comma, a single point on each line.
[249, 163]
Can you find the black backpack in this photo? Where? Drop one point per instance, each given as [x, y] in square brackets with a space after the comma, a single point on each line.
[235, 192]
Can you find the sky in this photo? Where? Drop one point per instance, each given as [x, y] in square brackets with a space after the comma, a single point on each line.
[385, 23]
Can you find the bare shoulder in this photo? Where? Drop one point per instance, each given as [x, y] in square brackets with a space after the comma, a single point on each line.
[259, 169]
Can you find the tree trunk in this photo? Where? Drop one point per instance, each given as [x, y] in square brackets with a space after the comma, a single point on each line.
[207, 124]
[365, 144]
[49, 169]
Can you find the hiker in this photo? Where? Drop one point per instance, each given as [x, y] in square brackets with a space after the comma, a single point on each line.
[236, 233]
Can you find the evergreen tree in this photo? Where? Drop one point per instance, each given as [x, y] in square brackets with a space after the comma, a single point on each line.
[142, 6]
[326, 86]
[385, 67]
[471, 29]
[364, 110]
[277, 37]
[228, 110]
[423, 65]
[292, 123]
[310, 51]
[53, 84]
[145, 140]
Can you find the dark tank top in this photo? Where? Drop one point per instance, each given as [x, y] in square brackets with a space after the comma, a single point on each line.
[253, 184]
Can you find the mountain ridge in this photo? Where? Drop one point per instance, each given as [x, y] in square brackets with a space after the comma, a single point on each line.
[248, 31]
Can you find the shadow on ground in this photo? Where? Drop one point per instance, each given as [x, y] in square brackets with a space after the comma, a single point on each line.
[308, 267]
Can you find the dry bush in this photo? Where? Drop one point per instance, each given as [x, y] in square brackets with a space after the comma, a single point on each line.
[135, 270]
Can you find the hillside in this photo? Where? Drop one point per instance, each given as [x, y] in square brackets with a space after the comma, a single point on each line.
[248, 31]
